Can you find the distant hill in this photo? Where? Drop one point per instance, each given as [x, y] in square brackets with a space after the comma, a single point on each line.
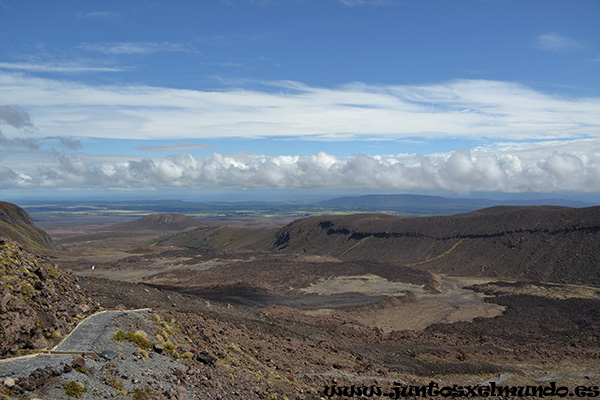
[411, 204]
[17, 225]
[170, 222]
[548, 243]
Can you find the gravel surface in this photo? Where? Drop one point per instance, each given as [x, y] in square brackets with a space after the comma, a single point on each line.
[130, 370]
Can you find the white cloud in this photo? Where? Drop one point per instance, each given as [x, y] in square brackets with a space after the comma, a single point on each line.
[558, 43]
[574, 167]
[100, 15]
[140, 48]
[56, 67]
[464, 108]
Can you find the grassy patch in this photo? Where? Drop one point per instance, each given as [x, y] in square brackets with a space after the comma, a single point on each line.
[144, 394]
[139, 337]
[75, 389]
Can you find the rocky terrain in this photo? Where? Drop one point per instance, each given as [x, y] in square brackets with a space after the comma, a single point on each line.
[333, 300]
[549, 243]
[39, 303]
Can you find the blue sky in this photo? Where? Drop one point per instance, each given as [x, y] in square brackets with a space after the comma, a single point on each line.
[432, 96]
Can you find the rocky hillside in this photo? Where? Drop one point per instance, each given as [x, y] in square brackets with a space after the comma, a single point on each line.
[39, 302]
[223, 237]
[556, 244]
[17, 225]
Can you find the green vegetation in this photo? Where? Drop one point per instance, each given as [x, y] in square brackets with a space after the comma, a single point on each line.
[144, 394]
[81, 369]
[53, 271]
[74, 389]
[140, 338]
[116, 383]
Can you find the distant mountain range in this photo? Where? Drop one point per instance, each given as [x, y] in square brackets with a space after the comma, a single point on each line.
[420, 204]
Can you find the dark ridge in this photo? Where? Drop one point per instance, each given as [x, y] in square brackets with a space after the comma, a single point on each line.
[543, 243]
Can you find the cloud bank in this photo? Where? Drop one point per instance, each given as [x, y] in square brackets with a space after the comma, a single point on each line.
[460, 171]
[541, 142]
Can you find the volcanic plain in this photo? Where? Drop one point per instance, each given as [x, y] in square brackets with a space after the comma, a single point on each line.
[504, 294]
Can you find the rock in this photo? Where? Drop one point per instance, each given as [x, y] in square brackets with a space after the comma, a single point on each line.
[109, 354]
[53, 371]
[179, 393]
[78, 363]
[37, 373]
[40, 344]
[67, 368]
[28, 384]
[159, 348]
[42, 273]
[205, 358]
[5, 299]
[9, 382]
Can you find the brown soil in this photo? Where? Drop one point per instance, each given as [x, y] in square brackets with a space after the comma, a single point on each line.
[360, 298]
[534, 336]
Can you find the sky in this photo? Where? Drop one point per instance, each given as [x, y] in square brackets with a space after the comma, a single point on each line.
[214, 97]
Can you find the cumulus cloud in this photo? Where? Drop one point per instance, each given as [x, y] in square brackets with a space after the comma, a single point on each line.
[28, 143]
[460, 171]
[463, 108]
[9, 179]
[68, 143]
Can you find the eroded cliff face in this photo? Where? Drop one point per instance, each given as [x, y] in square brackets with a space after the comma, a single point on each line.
[39, 302]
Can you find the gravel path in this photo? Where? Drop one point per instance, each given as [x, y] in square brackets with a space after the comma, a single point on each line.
[89, 331]
[82, 339]
[24, 366]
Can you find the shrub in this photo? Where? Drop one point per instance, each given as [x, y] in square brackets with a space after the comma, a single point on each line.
[75, 389]
[140, 338]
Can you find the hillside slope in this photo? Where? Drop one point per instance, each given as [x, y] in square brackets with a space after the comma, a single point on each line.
[556, 244]
[223, 237]
[39, 302]
[17, 225]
